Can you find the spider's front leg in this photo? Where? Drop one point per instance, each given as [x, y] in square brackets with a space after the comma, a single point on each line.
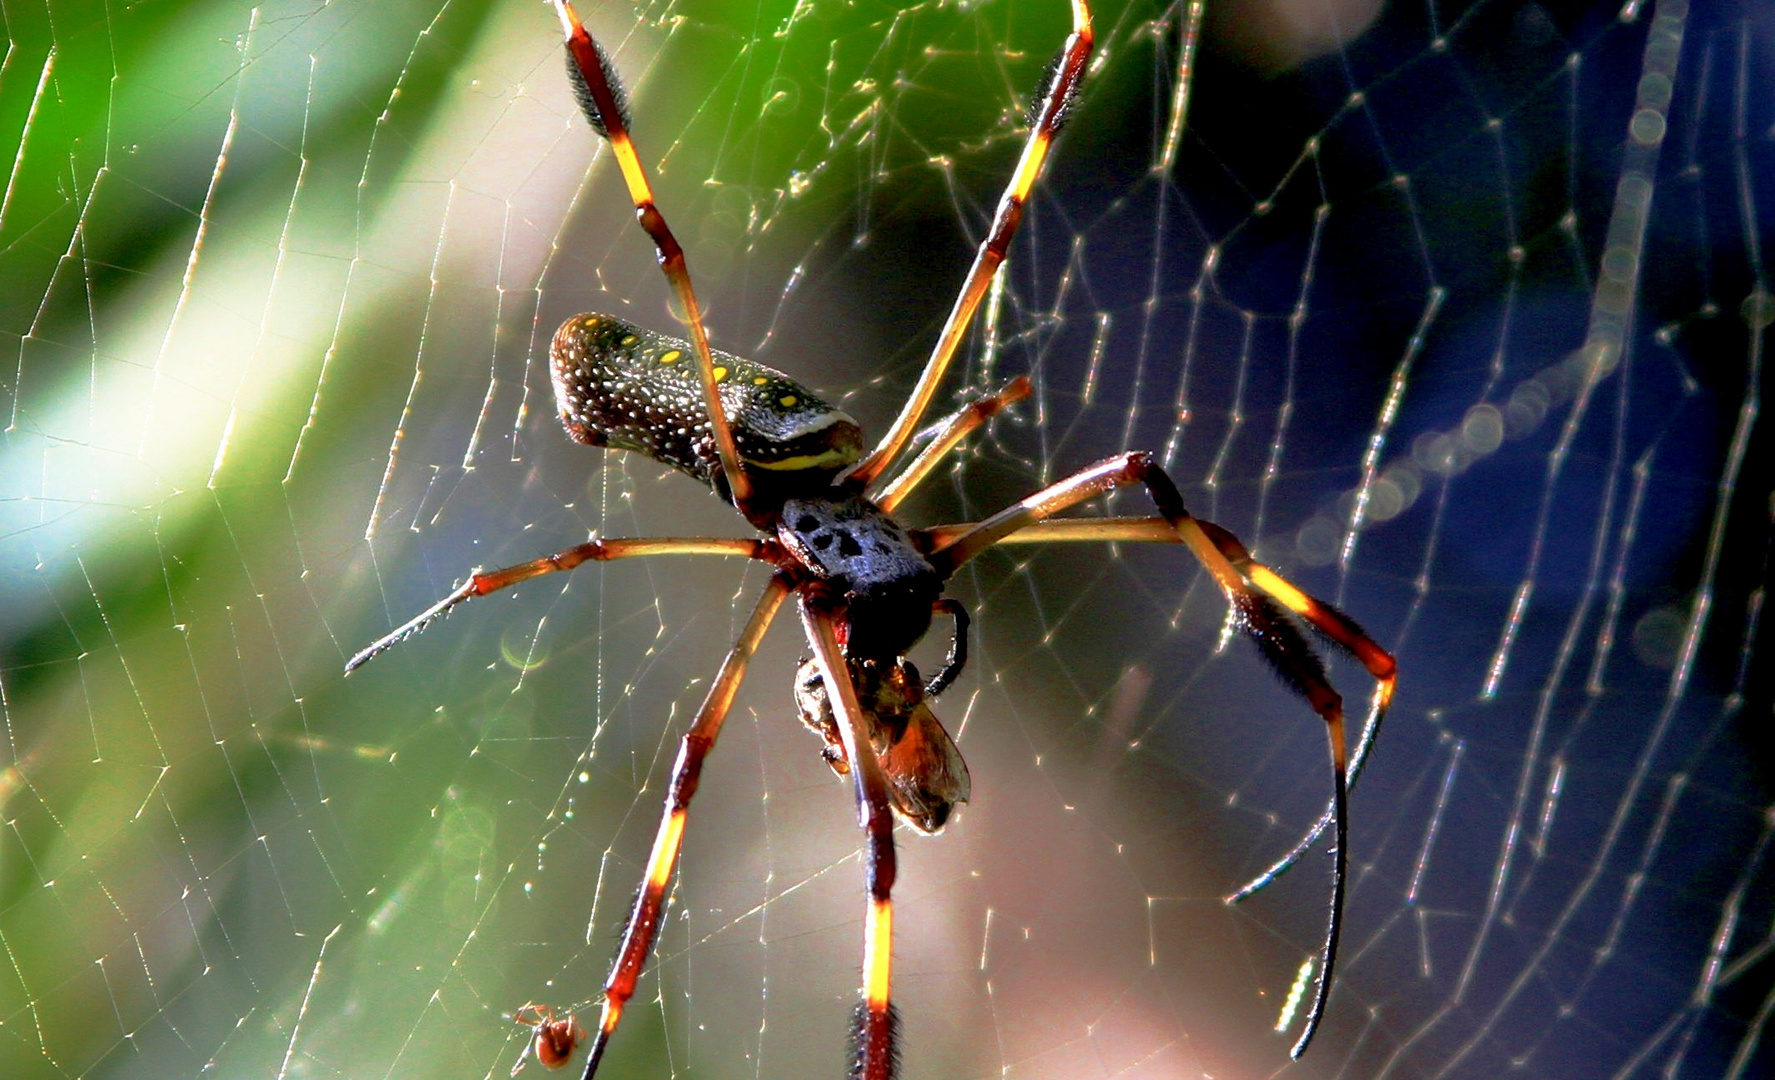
[1337, 628]
[1342, 631]
[875, 1032]
[637, 938]
[1257, 595]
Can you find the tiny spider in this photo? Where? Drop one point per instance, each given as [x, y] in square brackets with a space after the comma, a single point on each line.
[866, 586]
[553, 1040]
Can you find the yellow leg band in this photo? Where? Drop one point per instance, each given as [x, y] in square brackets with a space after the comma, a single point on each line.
[665, 851]
[1292, 598]
[878, 960]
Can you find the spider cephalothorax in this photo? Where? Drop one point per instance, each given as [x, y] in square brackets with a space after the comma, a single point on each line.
[886, 584]
[866, 585]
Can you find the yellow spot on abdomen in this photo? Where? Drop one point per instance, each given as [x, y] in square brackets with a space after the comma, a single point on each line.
[825, 459]
[720, 374]
[788, 401]
[630, 339]
[760, 380]
[670, 356]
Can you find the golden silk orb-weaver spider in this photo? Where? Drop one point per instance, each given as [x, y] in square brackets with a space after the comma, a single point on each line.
[553, 1039]
[866, 586]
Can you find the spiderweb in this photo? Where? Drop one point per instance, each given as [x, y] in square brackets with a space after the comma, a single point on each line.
[1455, 312]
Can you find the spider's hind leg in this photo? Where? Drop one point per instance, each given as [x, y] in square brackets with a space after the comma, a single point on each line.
[965, 422]
[1050, 106]
[602, 99]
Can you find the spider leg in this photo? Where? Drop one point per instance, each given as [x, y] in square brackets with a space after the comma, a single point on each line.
[1254, 612]
[958, 647]
[637, 938]
[1144, 530]
[481, 582]
[1337, 628]
[875, 1053]
[1059, 86]
[605, 110]
[1342, 631]
[964, 423]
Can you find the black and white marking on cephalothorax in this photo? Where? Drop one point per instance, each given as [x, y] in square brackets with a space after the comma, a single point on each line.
[865, 556]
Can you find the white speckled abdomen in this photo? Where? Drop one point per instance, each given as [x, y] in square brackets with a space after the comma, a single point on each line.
[622, 386]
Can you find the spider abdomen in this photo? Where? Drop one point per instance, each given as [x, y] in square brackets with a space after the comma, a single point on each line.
[623, 386]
